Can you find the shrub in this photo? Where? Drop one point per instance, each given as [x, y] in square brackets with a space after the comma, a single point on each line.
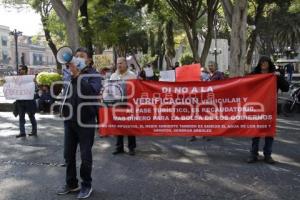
[186, 59]
[47, 78]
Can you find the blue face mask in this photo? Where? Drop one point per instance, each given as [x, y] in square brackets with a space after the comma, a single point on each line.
[79, 63]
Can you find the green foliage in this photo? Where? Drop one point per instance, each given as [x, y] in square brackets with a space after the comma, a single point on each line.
[279, 28]
[186, 59]
[295, 6]
[118, 24]
[47, 78]
[57, 29]
[148, 59]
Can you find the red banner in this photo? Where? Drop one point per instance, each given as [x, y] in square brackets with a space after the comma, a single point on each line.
[243, 107]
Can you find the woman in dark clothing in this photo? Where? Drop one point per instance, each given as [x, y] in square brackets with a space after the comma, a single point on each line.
[265, 65]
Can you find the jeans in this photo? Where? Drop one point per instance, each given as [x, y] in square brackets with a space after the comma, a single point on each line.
[22, 122]
[74, 135]
[290, 77]
[267, 147]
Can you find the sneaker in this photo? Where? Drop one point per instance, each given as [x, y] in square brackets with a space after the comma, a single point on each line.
[131, 152]
[118, 152]
[269, 160]
[66, 190]
[252, 159]
[21, 135]
[85, 192]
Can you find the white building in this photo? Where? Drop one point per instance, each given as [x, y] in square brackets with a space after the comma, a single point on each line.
[222, 53]
[5, 53]
[32, 54]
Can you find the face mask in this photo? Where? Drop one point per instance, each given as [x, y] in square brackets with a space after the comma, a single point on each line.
[79, 63]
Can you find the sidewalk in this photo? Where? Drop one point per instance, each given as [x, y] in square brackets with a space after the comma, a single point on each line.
[163, 169]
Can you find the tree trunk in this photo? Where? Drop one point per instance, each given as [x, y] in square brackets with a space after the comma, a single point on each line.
[168, 62]
[253, 37]
[86, 32]
[238, 39]
[69, 18]
[195, 42]
[152, 43]
[50, 42]
[73, 33]
[191, 39]
[212, 8]
[169, 43]
[206, 47]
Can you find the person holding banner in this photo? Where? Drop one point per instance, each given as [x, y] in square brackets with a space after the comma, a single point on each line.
[265, 65]
[123, 73]
[26, 106]
[214, 73]
[80, 123]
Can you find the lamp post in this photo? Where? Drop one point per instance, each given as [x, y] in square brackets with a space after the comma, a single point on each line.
[16, 34]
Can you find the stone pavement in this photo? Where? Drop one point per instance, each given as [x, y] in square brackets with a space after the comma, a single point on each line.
[163, 169]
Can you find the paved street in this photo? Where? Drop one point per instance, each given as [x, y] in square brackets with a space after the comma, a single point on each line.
[163, 169]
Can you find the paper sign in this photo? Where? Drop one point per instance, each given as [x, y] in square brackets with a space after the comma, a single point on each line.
[168, 76]
[19, 87]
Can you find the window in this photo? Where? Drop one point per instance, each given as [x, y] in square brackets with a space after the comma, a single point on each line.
[4, 40]
[5, 59]
[37, 59]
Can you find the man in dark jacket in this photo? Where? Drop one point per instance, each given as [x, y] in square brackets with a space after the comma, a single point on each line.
[290, 69]
[265, 65]
[85, 82]
[26, 106]
[214, 73]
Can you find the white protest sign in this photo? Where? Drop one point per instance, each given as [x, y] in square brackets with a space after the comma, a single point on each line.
[149, 72]
[19, 87]
[168, 76]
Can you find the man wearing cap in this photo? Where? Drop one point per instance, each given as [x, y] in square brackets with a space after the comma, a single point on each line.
[84, 81]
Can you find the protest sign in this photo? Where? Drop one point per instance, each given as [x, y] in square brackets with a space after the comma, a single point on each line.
[102, 61]
[19, 87]
[188, 73]
[168, 76]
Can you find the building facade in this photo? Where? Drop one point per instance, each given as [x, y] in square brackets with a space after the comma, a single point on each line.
[5, 53]
[33, 52]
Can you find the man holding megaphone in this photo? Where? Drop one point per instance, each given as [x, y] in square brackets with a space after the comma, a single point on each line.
[85, 84]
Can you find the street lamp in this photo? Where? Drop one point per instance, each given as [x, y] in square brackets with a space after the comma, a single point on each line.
[16, 34]
[289, 52]
[215, 52]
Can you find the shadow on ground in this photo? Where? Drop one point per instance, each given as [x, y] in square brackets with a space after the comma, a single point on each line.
[164, 168]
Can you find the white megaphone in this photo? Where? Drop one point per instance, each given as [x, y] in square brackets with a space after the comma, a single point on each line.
[65, 56]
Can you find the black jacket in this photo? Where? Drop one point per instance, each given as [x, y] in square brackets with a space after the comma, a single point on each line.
[282, 84]
[89, 86]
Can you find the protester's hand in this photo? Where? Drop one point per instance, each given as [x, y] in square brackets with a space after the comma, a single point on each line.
[74, 70]
[277, 73]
